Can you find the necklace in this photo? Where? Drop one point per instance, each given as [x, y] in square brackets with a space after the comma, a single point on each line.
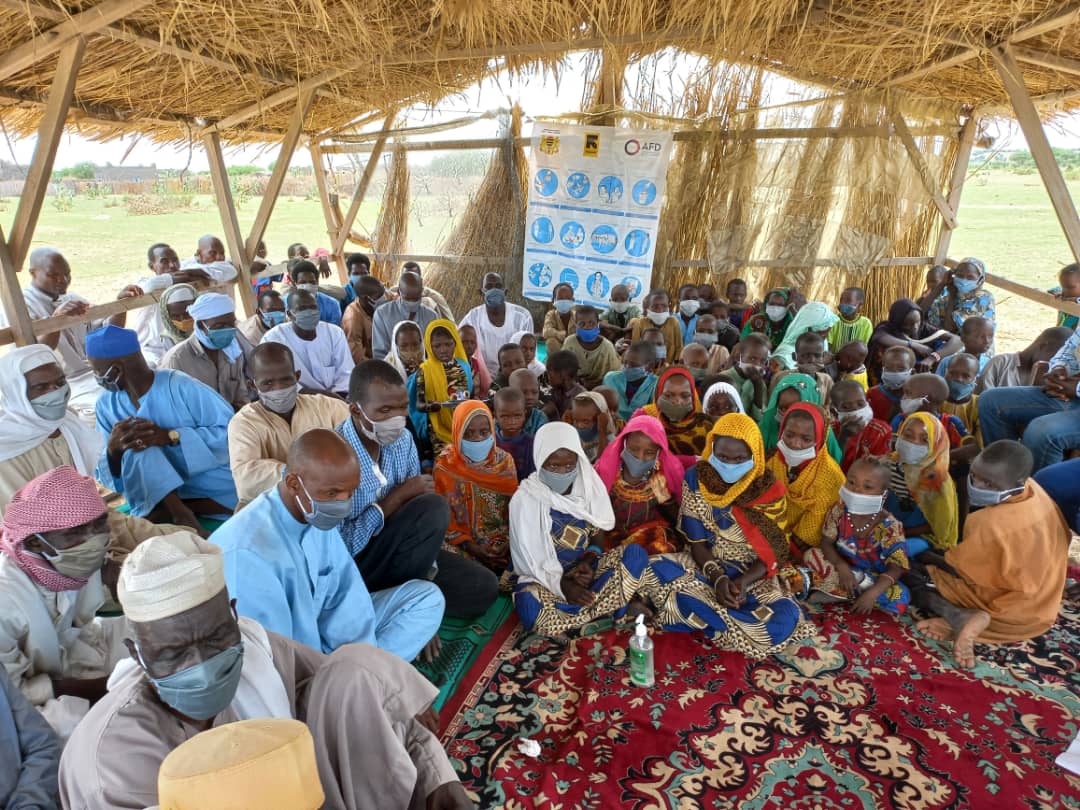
[864, 528]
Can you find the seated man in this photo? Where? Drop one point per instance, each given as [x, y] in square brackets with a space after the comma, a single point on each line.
[57, 537]
[305, 277]
[165, 434]
[397, 524]
[29, 751]
[287, 568]
[433, 299]
[260, 434]
[271, 313]
[319, 349]
[1004, 581]
[1025, 367]
[408, 306]
[356, 321]
[215, 354]
[496, 320]
[37, 430]
[47, 296]
[193, 666]
[210, 258]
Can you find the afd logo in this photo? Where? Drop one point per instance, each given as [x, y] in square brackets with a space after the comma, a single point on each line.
[634, 146]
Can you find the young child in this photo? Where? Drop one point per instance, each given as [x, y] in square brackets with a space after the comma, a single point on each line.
[897, 364]
[634, 385]
[562, 372]
[590, 417]
[1068, 289]
[442, 382]
[689, 305]
[857, 431]
[527, 342]
[696, 359]
[963, 402]
[926, 393]
[977, 335]
[615, 322]
[809, 358]
[660, 352]
[738, 307]
[481, 376]
[510, 435]
[596, 355]
[407, 349]
[525, 382]
[936, 277]
[921, 492]
[612, 400]
[726, 334]
[863, 553]
[748, 374]
[511, 358]
[853, 325]
[559, 321]
[849, 363]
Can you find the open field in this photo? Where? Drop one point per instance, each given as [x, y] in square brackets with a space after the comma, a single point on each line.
[1006, 220]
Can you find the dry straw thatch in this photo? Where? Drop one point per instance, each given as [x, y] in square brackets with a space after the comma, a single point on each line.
[168, 68]
[391, 234]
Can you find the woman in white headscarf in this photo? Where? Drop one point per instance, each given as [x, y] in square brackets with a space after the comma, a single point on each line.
[40, 433]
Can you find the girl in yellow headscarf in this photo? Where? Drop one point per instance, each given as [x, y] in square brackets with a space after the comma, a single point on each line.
[733, 514]
[921, 494]
[443, 380]
[813, 479]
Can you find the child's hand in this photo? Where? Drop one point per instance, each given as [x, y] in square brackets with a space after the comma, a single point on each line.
[846, 577]
[865, 603]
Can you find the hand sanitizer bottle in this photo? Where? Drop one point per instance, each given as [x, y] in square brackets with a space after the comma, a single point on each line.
[641, 655]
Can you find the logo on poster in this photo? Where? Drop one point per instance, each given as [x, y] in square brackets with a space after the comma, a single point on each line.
[634, 146]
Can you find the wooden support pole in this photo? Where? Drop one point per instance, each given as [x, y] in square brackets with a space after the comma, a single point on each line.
[277, 99]
[361, 188]
[227, 209]
[11, 296]
[956, 184]
[318, 164]
[1035, 135]
[1033, 294]
[280, 172]
[917, 159]
[50, 131]
[1047, 60]
[60, 36]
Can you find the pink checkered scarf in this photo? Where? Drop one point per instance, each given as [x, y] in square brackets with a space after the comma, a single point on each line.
[62, 498]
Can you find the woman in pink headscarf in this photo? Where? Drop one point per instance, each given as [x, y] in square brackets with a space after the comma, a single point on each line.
[645, 481]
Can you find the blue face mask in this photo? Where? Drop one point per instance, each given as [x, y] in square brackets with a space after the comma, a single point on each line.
[562, 306]
[559, 483]
[495, 297]
[661, 352]
[966, 286]
[637, 467]
[848, 310]
[274, 317]
[588, 335]
[635, 373]
[217, 338]
[960, 390]
[477, 450]
[324, 515]
[729, 472]
[354, 278]
[588, 434]
[206, 689]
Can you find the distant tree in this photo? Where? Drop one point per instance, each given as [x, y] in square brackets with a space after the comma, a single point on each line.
[472, 163]
[80, 171]
[241, 171]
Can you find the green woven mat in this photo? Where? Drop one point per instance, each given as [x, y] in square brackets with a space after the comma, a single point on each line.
[462, 640]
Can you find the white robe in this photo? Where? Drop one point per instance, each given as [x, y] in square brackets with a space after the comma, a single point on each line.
[325, 363]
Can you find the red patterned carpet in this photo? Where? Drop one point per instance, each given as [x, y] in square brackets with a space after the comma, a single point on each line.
[867, 715]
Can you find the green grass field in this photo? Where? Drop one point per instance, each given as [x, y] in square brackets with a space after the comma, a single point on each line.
[1005, 219]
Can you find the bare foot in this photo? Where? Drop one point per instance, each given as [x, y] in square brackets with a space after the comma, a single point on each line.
[637, 607]
[964, 646]
[936, 628]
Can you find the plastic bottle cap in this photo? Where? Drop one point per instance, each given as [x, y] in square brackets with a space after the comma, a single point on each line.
[640, 629]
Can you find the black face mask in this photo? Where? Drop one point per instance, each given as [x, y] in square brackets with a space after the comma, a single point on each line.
[111, 380]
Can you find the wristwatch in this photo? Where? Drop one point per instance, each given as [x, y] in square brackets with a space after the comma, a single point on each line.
[174, 437]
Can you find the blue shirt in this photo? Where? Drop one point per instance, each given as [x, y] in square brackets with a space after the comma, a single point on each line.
[398, 462]
[1066, 356]
[29, 752]
[329, 309]
[688, 329]
[294, 579]
[943, 364]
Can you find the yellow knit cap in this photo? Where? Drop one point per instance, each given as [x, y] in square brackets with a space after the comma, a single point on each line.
[265, 764]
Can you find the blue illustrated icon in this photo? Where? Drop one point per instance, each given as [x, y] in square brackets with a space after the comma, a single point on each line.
[598, 285]
[637, 242]
[604, 239]
[569, 276]
[546, 182]
[633, 286]
[644, 192]
[572, 235]
[609, 190]
[539, 274]
[542, 230]
[577, 185]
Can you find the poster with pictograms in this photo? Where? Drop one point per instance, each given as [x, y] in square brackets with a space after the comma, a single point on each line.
[595, 195]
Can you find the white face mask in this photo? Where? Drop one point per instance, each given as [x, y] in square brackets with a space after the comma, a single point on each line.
[911, 453]
[659, 318]
[862, 416]
[908, 405]
[620, 306]
[311, 288]
[775, 313]
[796, 457]
[689, 307]
[859, 504]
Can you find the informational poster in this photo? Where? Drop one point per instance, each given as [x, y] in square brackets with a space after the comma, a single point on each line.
[594, 207]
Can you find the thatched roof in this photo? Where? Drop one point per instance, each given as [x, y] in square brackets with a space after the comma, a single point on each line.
[167, 68]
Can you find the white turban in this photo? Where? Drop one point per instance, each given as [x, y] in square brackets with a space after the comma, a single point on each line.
[167, 575]
[211, 305]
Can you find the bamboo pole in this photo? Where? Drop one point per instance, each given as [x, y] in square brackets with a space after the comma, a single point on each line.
[956, 185]
[919, 162]
[227, 210]
[319, 166]
[21, 331]
[361, 189]
[1035, 135]
[1033, 294]
[50, 131]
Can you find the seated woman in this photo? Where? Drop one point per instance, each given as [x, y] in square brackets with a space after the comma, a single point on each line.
[406, 349]
[477, 480]
[678, 409]
[720, 399]
[812, 478]
[906, 326]
[961, 295]
[791, 389]
[443, 381]
[733, 513]
[645, 481]
[922, 495]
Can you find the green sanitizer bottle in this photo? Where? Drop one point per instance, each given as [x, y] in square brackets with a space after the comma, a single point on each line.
[641, 655]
